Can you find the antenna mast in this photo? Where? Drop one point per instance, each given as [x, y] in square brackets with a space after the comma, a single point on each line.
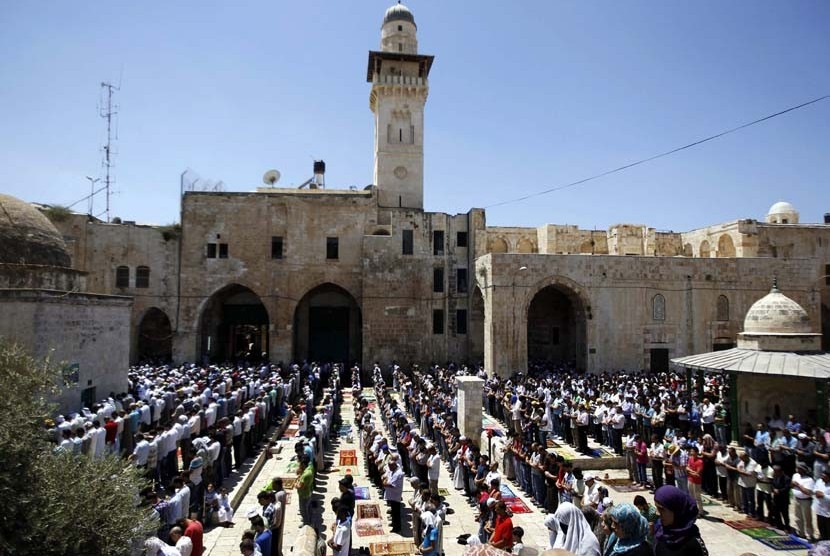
[107, 112]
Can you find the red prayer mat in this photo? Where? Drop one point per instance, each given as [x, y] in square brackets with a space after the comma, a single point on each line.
[348, 458]
[516, 506]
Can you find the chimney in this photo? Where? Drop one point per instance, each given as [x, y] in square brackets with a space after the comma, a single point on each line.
[320, 174]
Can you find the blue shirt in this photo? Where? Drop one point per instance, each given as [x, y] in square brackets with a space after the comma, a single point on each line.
[431, 540]
[263, 541]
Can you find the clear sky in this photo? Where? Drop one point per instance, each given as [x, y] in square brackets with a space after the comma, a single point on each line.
[523, 96]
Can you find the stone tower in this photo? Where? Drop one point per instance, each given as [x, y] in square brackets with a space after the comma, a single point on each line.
[399, 78]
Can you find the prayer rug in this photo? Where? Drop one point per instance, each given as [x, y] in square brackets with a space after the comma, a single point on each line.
[708, 501]
[516, 506]
[369, 527]
[292, 466]
[344, 431]
[353, 470]
[443, 492]
[552, 444]
[361, 493]
[393, 548]
[616, 482]
[786, 543]
[506, 492]
[367, 511]
[348, 458]
[742, 524]
[289, 482]
[760, 533]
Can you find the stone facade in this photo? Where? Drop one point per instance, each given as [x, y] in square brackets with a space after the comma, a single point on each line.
[369, 275]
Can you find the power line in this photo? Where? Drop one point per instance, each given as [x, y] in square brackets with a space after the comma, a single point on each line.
[655, 157]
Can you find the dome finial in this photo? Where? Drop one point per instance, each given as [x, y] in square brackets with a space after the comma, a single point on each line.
[775, 285]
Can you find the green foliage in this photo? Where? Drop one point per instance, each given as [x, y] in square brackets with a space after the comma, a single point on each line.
[170, 231]
[57, 213]
[55, 504]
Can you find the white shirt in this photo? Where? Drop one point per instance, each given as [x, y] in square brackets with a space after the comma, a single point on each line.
[805, 482]
[343, 537]
[434, 463]
[185, 546]
[394, 492]
[821, 505]
[141, 451]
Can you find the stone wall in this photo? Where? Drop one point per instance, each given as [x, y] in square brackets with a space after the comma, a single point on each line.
[88, 331]
[616, 296]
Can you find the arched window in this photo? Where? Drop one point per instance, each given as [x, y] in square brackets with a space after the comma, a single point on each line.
[705, 250]
[658, 307]
[122, 277]
[723, 308]
[142, 277]
[726, 247]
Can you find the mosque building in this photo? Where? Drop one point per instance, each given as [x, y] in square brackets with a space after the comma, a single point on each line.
[321, 273]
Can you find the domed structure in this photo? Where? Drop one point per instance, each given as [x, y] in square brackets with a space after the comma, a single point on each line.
[27, 236]
[398, 12]
[782, 213]
[775, 313]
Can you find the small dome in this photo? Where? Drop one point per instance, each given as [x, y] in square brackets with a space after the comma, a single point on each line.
[398, 12]
[781, 207]
[775, 313]
[28, 237]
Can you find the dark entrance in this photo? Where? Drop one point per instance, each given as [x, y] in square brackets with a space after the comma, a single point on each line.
[327, 326]
[155, 338]
[556, 328]
[659, 362]
[234, 327]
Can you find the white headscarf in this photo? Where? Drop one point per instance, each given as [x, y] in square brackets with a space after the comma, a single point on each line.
[557, 537]
[579, 538]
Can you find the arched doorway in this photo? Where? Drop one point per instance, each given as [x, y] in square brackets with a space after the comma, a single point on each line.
[328, 326]
[556, 327]
[155, 337]
[234, 326]
[726, 247]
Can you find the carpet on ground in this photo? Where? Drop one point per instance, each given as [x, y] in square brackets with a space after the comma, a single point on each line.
[344, 431]
[443, 492]
[552, 443]
[516, 506]
[708, 501]
[368, 520]
[289, 482]
[361, 493]
[392, 548]
[760, 533]
[790, 542]
[506, 492]
[742, 524]
[348, 458]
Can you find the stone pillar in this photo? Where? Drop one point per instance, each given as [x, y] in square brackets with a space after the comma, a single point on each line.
[470, 413]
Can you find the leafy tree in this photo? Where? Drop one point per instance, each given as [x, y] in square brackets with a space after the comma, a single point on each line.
[57, 504]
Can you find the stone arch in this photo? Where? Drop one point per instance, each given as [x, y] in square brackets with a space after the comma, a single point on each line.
[705, 250]
[525, 246]
[498, 245]
[155, 337]
[233, 326]
[658, 307]
[726, 247]
[722, 308]
[688, 251]
[328, 326]
[556, 315]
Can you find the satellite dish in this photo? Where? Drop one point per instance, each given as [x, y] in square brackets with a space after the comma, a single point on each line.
[271, 177]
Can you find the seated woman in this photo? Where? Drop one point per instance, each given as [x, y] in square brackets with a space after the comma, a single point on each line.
[629, 530]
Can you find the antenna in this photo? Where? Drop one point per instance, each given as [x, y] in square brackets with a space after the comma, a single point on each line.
[271, 177]
[107, 113]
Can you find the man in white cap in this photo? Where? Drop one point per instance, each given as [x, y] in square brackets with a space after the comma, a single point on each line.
[591, 496]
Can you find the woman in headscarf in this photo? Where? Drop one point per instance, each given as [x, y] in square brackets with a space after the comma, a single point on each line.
[675, 532]
[557, 537]
[578, 537]
[629, 530]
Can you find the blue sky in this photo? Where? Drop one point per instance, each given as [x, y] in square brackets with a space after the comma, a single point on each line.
[523, 96]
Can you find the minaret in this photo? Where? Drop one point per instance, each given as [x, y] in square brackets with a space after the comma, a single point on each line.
[399, 78]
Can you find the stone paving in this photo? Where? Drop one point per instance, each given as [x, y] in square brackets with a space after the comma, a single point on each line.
[721, 539]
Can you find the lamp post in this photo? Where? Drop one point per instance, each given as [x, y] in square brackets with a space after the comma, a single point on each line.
[515, 335]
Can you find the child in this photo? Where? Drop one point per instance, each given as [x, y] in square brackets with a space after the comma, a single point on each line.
[518, 533]
[211, 503]
[225, 510]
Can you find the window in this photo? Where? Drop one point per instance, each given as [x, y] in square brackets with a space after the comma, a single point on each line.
[723, 308]
[211, 250]
[276, 247]
[461, 280]
[223, 250]
[437, 321]
[658, 307]
[400, 27]
[400, 47]
[438, 280]
[461, 239]
[142, 277]
[827, 275]
[332, 248]
[461, 321]
[407, 242]
[438, 242]
[122, 277]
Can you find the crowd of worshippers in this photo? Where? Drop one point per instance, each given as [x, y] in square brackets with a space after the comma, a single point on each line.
[583, 519]
[186, 428]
